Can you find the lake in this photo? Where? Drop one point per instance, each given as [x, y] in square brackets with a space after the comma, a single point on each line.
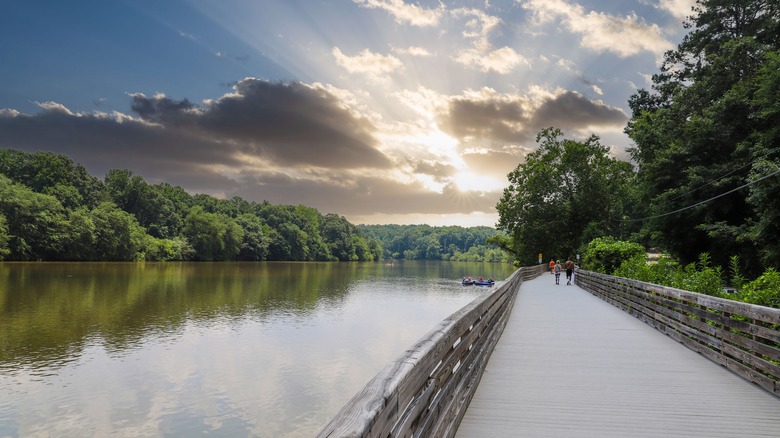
[221, 349]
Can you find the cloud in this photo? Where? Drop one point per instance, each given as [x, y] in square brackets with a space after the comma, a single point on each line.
[375, 66]
[572, 110]
[287, 143]
[501, 61]
[482, 54]
[624, 36]
[365, 194]
[102, 142]
[405, 13]
[679, 9]
[412, 51]
[209, 147]
[188, 36]
[291, 124]
[486, 117]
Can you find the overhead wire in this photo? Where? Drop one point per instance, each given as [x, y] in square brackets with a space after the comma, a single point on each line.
[705, 201]
[771, 151]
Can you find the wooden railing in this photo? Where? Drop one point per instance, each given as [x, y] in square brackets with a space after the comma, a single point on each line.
[425, 392]
[744, 338]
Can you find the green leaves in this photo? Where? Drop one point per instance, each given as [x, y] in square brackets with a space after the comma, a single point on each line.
[51, 209]
[709, 128]
[562, 189]
[605, 254]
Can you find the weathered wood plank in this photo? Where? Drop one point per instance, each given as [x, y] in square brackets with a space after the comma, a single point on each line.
[569, 366]
[700, 322]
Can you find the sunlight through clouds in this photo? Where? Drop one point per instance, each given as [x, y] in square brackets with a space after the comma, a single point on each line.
[405, 13]
[379, 109]
[375, 66]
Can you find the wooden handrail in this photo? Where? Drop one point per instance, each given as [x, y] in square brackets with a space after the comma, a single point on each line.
[745, 338]
[425, 392]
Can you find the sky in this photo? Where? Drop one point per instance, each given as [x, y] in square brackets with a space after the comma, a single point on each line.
[381, 111]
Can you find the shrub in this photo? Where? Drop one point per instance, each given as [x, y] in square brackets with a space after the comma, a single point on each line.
[764, 290]
[605, 254]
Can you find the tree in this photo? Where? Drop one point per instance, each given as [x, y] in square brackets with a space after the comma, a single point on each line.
[4, 238]
[562, 189]
[51, 174]
[254, 246]
[709, 129]
[81, 236]
[338, 233]
[36, 222]
[153, 210]
[215, 237]
[118, 236]
[605, 254]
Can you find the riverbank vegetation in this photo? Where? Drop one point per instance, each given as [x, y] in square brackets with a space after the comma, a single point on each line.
[704, 182]
[453, 243]
[52, 209]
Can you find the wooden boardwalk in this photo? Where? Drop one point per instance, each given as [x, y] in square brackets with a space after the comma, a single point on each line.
[572, 365]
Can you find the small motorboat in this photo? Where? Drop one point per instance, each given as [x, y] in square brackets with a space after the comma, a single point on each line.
[468, 281]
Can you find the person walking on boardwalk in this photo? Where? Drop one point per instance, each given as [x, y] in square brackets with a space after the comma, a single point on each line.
[569, 266]
[552, 266]
[557, 269]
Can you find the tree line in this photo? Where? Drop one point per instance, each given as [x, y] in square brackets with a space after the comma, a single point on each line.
[453, 243]
[52, 209]
[705, 170]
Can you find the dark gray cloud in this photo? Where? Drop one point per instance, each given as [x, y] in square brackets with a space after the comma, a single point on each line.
[498, 121]
[494, 119]
[350, 195]
[289, 123]
[436, 169]
[572, 110]
[103, 142]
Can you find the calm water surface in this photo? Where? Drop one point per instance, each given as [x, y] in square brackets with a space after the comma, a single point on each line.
[222, 349]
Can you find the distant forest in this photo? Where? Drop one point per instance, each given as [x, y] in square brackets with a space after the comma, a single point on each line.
[52, 209]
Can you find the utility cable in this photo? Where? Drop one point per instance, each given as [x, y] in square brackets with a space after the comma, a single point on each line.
[771, 151]
[705, 201]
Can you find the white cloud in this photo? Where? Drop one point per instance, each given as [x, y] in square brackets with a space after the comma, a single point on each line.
[483, 55]
[502, 60]
[54, 107]
[680, 9]
[412, 51]
[405, 13]
[624, 36]
[375, 66]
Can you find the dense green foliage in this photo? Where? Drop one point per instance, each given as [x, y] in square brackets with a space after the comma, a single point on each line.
[706, 176]
[415, 242]
[565, 194]
[702, 277]
[52, 209]
[712, 126]
[605, 254]
[699, 276]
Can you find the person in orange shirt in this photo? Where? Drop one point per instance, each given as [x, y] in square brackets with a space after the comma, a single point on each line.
[552, 266]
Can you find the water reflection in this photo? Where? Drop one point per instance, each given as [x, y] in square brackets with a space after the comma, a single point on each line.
[182, 349]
